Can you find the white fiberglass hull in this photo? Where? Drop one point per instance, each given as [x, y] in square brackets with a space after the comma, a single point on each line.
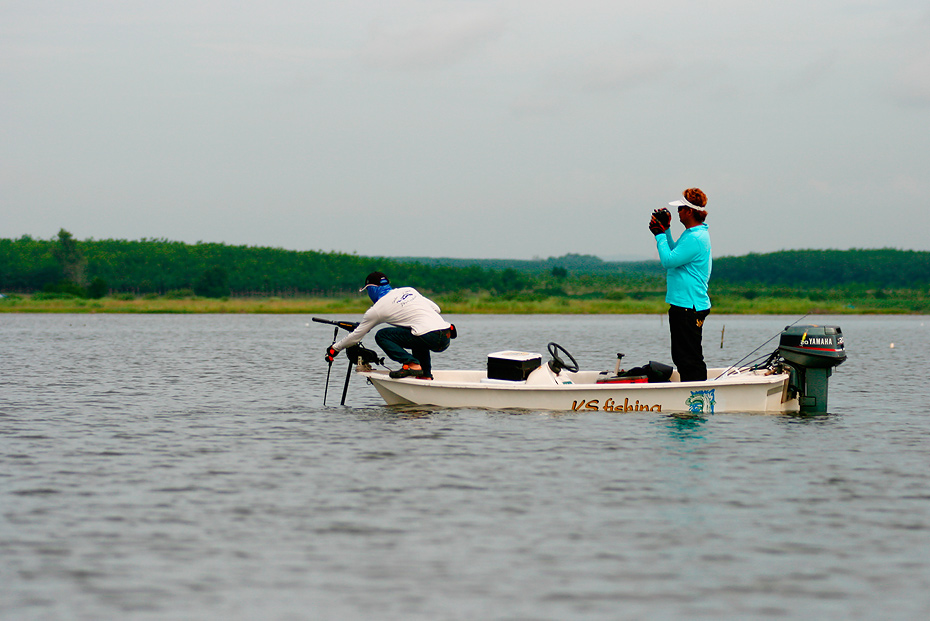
[745, 391]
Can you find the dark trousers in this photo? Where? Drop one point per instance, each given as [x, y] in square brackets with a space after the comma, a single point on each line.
[687, 327]
[396, 341]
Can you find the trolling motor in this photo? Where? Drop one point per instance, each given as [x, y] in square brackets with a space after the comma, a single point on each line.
[359, 356]
[362, 357]
[811, 352]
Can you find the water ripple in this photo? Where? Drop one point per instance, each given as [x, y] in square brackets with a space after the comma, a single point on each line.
[184, 467]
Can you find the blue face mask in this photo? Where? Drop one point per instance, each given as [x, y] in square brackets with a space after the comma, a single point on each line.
[377, 292]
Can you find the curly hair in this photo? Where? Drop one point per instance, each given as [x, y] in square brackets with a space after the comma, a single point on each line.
[695, 197]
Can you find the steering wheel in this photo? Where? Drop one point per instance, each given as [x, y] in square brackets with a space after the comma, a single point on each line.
[557, 364]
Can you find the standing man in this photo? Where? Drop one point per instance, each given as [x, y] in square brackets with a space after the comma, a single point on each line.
[688, 264]
[417, 326]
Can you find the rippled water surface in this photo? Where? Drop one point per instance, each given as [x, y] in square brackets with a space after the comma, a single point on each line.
[184, 467]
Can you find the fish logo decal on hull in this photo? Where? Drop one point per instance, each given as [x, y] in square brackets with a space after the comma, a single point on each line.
[701, 401]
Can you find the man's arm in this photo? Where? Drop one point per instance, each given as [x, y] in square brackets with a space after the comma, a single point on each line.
[370, 319]
[673, 254]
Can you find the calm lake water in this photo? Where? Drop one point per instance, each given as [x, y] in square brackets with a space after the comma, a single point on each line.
[184, 467]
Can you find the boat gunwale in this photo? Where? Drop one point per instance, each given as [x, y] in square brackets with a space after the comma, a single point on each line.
[734, 379]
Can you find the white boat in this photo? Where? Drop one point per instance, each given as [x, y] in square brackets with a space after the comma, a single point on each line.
[793, 378]
[734, 391]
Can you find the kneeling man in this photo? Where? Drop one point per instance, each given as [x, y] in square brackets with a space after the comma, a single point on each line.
[416, 324]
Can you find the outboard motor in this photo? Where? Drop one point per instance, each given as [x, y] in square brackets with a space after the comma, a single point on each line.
[812, 352]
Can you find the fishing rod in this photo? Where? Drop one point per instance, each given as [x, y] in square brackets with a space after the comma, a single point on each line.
[777, 334]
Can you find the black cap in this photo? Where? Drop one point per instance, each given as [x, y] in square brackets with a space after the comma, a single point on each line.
[377, 279]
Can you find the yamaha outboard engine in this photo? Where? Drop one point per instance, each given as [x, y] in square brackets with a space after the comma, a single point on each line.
[812, 352]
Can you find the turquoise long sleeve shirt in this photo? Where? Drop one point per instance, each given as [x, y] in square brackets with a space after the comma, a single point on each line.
[688, 264]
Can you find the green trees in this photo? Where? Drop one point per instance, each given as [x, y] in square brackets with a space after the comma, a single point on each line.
[70, 258]
[161, 266]
[213, 283]
[27, 264]
[97, 288]
[881, 268]
[64, 265]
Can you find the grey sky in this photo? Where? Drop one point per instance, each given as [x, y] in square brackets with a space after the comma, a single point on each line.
[507, 129]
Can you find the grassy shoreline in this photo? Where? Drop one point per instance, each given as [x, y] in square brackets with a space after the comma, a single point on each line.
[723, 304]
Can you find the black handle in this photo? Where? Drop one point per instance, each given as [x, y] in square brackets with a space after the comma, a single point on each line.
[345, 325]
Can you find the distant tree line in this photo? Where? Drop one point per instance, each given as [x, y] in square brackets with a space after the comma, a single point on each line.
[805, 269]
[97, 267]
[570, 263]
[885, 268]
[161, 266]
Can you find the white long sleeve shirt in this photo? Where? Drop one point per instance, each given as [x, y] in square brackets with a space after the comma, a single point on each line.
[404, 307]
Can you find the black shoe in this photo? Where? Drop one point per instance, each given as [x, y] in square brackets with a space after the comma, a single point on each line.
[406, 371]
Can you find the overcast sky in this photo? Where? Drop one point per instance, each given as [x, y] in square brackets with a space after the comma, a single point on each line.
[476, 129]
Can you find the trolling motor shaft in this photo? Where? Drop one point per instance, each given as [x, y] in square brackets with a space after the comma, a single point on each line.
[357, 354]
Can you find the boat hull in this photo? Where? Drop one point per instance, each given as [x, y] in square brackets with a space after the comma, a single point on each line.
[748, 391]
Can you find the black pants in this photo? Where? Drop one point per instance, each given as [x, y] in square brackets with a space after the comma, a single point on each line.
[396, 341]
[687, 327]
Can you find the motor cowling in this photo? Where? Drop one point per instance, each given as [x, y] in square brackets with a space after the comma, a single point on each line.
[812, 352]
[814, 347]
